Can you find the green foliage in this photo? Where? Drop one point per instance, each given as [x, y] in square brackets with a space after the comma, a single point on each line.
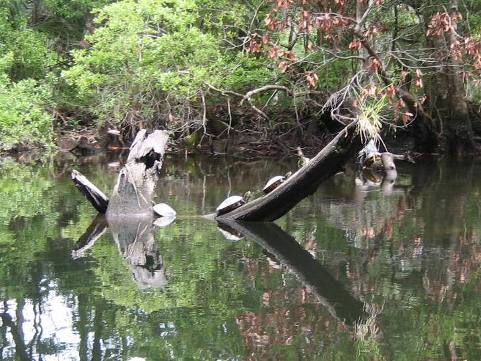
[29, 50]
[23, 118]
[154, 54]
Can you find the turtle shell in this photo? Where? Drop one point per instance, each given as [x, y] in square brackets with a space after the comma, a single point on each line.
[229, 204]
[273, 183]
[164, 210]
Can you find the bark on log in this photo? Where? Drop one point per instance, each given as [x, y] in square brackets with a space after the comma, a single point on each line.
[304, 182]
[94, 195]
[133, 193]
[330, 292]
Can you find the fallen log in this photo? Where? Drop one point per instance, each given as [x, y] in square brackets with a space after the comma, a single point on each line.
[304, 182]
[94, 195]
[330, 292]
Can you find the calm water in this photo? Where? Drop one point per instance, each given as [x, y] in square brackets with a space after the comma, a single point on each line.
[349, 274]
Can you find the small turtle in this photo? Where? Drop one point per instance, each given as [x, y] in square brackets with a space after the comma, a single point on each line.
[165, 213]
[275, 182]
[164, 210]
[231, 203]
[164, 221]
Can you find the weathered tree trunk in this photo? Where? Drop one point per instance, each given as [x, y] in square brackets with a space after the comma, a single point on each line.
[330, 292]
[304, 182]
[133, 194]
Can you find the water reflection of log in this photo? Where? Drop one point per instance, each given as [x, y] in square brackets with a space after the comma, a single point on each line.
[330, 292]
[86, 241]
[136, 243]
[135, 240]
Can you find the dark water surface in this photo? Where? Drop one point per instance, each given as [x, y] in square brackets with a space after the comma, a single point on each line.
[349, 274]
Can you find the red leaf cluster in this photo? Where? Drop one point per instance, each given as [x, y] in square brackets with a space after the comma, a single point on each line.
[443, 23]
[312, 79]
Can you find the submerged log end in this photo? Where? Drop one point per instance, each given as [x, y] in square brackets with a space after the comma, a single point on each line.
[94, 195]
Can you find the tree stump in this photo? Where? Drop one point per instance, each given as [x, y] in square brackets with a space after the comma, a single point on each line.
[133, 193]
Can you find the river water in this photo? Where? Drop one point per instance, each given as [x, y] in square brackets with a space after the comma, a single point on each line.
[352, 273]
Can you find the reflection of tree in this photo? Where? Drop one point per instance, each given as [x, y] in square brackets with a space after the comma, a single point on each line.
[135, 239]
[221, 294]
[16, 332]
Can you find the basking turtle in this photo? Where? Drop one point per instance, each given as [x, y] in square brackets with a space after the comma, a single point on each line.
[231, 203]
[275, 182]
[164, 210]
[165, 213]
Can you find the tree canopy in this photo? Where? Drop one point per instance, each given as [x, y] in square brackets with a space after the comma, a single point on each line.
[208, 69]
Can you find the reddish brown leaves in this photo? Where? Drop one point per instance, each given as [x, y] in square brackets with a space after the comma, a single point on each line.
[355, 45]
[390, 92]
[442, 23]
[374, 65]
[312, 79]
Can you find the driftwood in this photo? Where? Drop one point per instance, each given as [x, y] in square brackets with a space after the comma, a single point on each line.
[94, 195]
[330, 292]
[304, 182]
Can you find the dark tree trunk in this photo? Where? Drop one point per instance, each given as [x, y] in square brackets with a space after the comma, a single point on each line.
[460, 138]
[422, 128]
[304, 182]
[447, 93]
